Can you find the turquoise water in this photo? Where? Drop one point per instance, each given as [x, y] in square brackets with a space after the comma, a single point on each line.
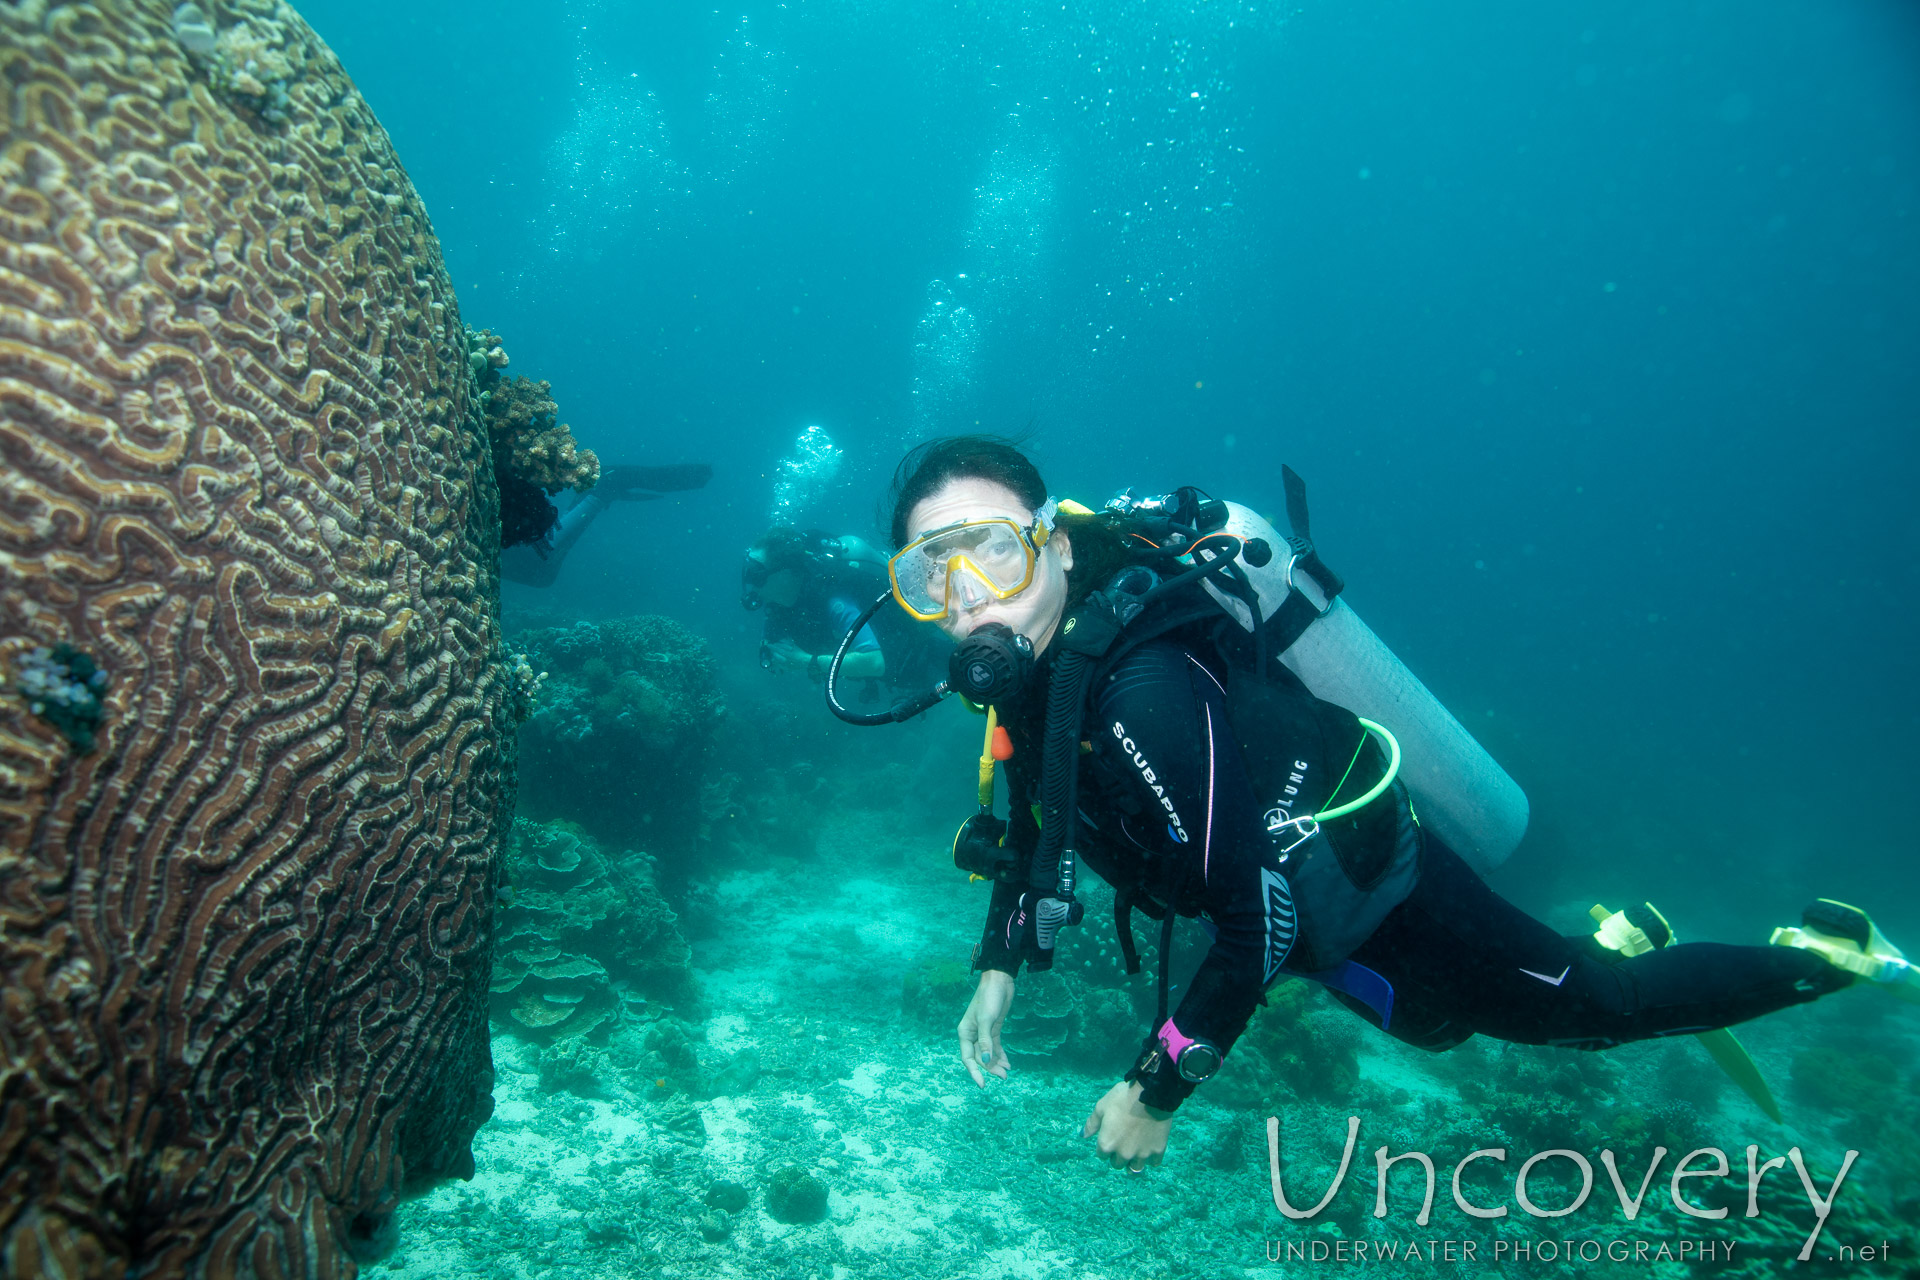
[1592, 328]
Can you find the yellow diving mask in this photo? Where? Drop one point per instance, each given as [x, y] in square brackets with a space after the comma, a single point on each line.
[969, 562]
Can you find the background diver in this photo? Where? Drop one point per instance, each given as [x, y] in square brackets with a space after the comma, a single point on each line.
[537, 563]
[1216, 783]
[813, 586]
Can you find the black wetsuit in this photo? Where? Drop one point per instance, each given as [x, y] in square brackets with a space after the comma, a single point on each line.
[1186, 795]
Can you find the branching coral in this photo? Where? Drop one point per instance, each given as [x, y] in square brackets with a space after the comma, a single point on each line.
[533, 456]
[485, 351]
[523, 684]
[521, 415]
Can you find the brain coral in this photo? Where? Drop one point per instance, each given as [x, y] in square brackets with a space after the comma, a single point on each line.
[244, 917]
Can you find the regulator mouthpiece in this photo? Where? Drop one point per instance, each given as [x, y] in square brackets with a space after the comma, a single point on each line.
[991, 664]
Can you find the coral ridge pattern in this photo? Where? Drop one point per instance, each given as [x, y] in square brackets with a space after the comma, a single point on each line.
[245, 906]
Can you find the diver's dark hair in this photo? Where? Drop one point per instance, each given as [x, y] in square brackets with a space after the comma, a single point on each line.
[932, 464]
[1099, 546]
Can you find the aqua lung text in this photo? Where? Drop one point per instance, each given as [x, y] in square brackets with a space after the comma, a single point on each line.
[1282, 812]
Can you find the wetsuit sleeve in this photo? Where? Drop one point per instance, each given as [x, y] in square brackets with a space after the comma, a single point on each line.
[1167, 751]
[1001, 938]
[1008, 936]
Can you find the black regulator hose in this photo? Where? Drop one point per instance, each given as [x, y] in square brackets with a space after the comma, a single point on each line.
[905, 709]
[1218, 565]
[1060, 771]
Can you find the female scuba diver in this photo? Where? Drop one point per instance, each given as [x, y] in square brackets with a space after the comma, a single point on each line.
[1152, 736]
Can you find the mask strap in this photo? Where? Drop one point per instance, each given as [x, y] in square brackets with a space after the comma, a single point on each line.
[1043, 520]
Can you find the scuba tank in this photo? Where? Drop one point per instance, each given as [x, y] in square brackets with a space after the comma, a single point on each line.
[1458, 790]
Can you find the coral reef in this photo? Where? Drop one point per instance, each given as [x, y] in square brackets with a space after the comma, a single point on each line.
[796, 1196]
[1871, 1102]
[521, 414]
[523, 684]
[244, 896]
[933, 991]
[1075, 1022]
[622, 735]
[829, 1051]
[62, 687]
[762, 793]
[248, 63]
[586, 939]
[1845, 1078]
[1300, 1047]
[1063, 1017]
[533, 455]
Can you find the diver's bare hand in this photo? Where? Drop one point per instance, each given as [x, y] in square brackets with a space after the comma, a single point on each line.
[1132, 1134]
[785, 655]
[980, 1027]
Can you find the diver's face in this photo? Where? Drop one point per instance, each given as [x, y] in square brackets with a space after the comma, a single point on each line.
[1034, 613]
[781, 589]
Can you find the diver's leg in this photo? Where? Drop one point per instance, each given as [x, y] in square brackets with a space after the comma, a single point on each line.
[1457, 953]
[573, 522]
[1699, 986]
[537, 564]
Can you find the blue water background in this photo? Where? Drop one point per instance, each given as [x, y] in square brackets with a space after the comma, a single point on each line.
[1593, 328]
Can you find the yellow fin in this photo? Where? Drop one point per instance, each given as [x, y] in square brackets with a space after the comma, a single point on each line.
[1739, 1065]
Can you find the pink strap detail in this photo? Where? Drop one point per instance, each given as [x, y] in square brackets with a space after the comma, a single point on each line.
[1173, 1040]
[1206, 853]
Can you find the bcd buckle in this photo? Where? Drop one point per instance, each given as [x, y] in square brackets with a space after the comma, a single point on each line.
[1305, 827]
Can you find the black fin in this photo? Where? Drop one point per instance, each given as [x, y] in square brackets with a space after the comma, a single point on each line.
[1838, 920]
[690, 475]
[1649, 922]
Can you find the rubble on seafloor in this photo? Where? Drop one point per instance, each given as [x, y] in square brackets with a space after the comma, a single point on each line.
[822, 1079]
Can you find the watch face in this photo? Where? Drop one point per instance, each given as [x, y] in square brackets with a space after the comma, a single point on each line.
[1199, 1061]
